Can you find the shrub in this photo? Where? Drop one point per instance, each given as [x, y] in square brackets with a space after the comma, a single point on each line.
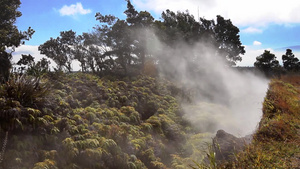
[28, 90]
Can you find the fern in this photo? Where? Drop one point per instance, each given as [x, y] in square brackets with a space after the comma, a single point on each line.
[46, 164]
[109, 143]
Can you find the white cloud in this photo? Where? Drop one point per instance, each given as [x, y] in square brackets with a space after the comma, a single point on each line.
[33, 51]
[25, 50]
[73, 10]
[257, 43]
[252, 30]
[242, 13]
[29, 49]
[249, 57]
[251, 53]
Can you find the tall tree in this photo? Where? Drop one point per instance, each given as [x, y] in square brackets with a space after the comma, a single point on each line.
[117, 36]
[178, 27]
[228, 40]
[10, 36]
[140, 24]
[131, 41]
[266, 62]
[97, 45]
[222, 35]
[60, 49]
[290, 62]
[122, 46]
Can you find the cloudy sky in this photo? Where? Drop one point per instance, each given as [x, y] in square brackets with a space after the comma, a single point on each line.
[263, 24]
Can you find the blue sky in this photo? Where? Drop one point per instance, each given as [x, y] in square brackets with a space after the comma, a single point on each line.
[263, 24]
[49, 17]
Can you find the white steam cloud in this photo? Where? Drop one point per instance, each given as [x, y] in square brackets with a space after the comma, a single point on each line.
[222, 97]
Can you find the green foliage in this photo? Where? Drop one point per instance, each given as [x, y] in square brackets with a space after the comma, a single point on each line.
[10, 36]
[47, 164]
[21, 98]
[59, 49]
[25, 60]
[34, 69]
[267, 63]
[24, 89]
[221, 35]
[290, 62]
[110, 122]
[129, 47]
[92, 122]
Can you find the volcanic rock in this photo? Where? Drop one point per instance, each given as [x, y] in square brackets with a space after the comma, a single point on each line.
[225, 145]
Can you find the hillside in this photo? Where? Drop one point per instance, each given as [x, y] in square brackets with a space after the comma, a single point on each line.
[276, 143]
[88, 122]
[79, 120]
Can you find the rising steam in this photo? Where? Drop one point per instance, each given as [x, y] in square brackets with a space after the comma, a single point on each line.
[222, 97]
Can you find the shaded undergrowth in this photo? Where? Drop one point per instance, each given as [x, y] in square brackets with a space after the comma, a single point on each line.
[91, 122]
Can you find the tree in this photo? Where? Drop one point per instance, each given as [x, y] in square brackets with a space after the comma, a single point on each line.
[140, 24]
[222, 35]
[228, 40]
[60, 49]
[115, 35]
[290, 62]
[267, 62]
[126, 41]
[39, 68]
[10, 36]
[178, 27]
[27, 64]
[122, 46]
[26, 60]
[127, 44]
[96, 53]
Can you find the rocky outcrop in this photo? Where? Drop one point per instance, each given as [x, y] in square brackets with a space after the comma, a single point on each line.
[226, 145]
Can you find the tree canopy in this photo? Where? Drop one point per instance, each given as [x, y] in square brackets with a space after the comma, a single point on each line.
[222, 35]
[266, 62]
[60, 49]
[290, 62]
[124, 46]
[10, 36]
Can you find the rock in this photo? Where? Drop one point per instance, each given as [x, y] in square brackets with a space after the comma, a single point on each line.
[226, 145]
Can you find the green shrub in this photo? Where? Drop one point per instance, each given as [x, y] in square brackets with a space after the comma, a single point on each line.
[27, 90]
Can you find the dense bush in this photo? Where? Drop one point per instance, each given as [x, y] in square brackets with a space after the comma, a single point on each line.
[25, 89]
[91, 122]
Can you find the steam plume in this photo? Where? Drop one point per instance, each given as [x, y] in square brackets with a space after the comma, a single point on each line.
[222, 97]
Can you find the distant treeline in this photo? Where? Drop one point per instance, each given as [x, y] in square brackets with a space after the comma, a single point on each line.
[269, 65]
[139, 43]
